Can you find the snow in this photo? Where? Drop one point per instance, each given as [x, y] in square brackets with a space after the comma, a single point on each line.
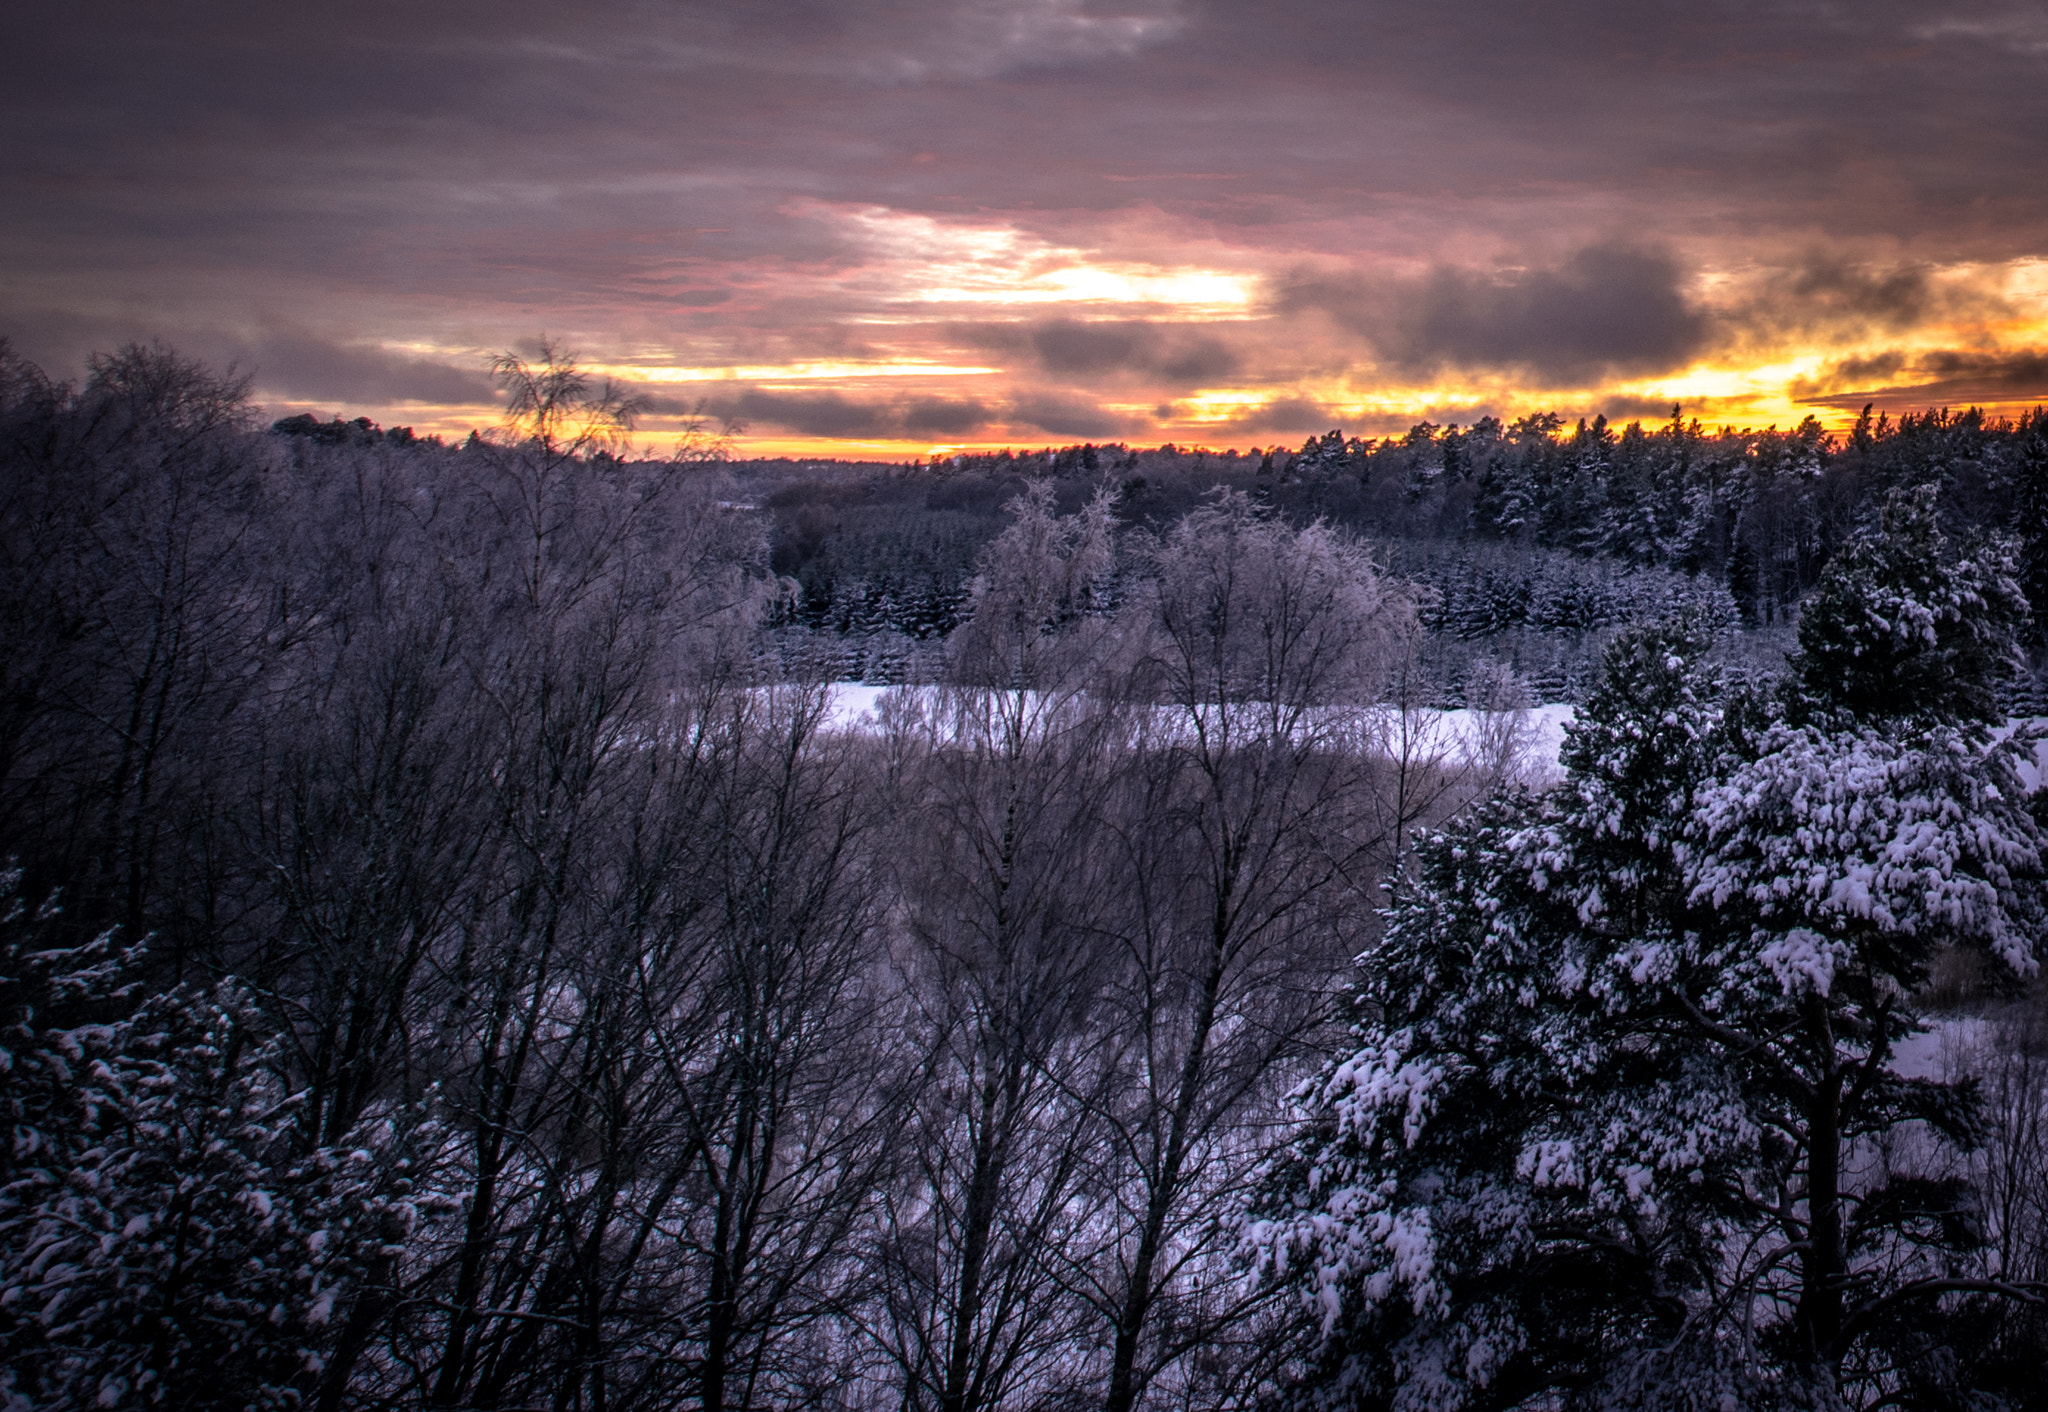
[2032, 769]
[857, 707]
[1941, 1052]
[1803, 961]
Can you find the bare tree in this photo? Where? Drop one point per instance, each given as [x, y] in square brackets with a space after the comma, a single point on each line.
[1000, 780]
[593, 595]
[1241, 844]
[782, 1084]
[2010, 1060]
[126, 545]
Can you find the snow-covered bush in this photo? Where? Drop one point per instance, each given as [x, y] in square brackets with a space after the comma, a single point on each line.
[164, 1242]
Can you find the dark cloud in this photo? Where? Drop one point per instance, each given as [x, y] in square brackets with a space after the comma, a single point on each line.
[836, 416]
[283, 365]
[1198, 361]
[1068, 347]
[1605, 310]
[1859, 371]
[307, 368]
[827, 414]
[1878, 118]
[939, 416]
[1637, 409]
[2024, 371]
[1863, 369]
[1951, 378]
[1179, 356]
[1283, 414]
[1060, 415]
[1889, 298]
[1828, 295]
[1852, 119]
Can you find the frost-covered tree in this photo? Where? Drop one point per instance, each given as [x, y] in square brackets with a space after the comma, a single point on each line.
[1006, 873]
[1620, 1125]
[1252, 819]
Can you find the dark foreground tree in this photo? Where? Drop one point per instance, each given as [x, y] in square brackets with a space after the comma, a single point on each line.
[1004, 874]
[162, 1244]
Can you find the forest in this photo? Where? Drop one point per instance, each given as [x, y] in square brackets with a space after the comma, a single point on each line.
[455, 952]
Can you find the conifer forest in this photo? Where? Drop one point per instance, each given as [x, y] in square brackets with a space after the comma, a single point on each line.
[519, 923]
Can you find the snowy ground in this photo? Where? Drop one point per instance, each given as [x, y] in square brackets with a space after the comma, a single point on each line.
[855, 707]
[1944, 1051]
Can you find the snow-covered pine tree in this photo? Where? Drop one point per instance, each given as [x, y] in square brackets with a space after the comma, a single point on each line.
[163, 1241]
[1620, 1125]
[1912, 626]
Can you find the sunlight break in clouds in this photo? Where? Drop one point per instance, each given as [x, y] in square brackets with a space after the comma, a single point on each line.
[784, 372]
[984, 39]
[919, 259]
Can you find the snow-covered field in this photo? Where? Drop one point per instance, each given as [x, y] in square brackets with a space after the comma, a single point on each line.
[857, 707]
[1945, 1051]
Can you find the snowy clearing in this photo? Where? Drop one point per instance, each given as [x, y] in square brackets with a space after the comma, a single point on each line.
[857, 707]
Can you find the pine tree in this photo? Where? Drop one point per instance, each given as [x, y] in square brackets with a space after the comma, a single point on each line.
[160, 1243]
[1619, 1127]
[1910, 626]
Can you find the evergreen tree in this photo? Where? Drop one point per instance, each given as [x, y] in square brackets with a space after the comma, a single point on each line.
[1910, 626]
[160, 1244]
[1619, 1127]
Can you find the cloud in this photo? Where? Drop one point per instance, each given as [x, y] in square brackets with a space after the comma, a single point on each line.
[1828, 295]
[1061, 415]
[940, 416]
[826, 414]
[2024, 33]
[897, 44]
[1606, 310]
[313, 369]
[454, 173]
[984, 38]
[1071, 348]
[1283, 414]
[287, 365]
[1947, 378]
[835, 416]
[1625, 408]
[1867, 367]
[1893, 298]
[1135, 348]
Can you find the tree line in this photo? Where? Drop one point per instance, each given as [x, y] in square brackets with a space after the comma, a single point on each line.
[1748, 518]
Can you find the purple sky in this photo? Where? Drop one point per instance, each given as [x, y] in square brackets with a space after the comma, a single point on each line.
[885, 228]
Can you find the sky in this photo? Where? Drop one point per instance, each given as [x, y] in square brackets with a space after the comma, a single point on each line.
[898, 228]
